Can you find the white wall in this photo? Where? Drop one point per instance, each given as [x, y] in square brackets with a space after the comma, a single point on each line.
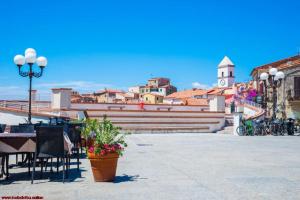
[61, 99]
[105, 106]
[134, 89]
[15, 118]
[217, 104]
[249, 112]
[172, 101]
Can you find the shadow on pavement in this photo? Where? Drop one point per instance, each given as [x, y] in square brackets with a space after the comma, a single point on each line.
[125, 178]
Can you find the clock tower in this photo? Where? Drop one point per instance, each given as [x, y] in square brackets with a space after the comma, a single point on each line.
[225, 73]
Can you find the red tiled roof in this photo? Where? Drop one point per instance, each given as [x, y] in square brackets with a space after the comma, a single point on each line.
[196, 102]
[110, 91]
[280, 64]
[187, 93]
[215, 91]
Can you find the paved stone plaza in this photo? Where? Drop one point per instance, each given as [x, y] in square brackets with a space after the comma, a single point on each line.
[183, 166]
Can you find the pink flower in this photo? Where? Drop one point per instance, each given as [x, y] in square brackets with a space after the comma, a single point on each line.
[113, 149]
[102, 152]
[91, 149]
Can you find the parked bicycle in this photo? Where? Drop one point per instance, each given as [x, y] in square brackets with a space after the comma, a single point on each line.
[246, 128]
[261, 127]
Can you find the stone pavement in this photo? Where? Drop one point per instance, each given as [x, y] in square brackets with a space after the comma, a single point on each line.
[182, 166]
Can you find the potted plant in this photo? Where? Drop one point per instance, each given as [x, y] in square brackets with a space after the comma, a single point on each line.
[105, 143]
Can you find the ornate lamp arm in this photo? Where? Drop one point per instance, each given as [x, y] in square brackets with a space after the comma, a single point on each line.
[39, 74]
[21, 73]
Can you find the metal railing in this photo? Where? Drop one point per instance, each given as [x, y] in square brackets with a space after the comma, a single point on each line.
[23, 105]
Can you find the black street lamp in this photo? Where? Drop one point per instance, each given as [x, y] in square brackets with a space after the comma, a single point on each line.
[272, 80]
[30, 59]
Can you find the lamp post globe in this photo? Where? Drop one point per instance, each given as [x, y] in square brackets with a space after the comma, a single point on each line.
[30, 58]
[273, 71]
[264, 76]
[19, 60]
[41, 61]
[280, 75]
[30, 50]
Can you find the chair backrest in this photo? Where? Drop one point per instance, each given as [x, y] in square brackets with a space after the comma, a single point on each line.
[58, 121]
[40, 124]
[74, 133]
[22, 128]
[50, 141]
[2, 128]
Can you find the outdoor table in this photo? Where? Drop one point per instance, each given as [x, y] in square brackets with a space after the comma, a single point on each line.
[11, 143]
[24, 143]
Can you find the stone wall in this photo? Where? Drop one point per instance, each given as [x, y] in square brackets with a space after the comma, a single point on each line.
[287, 106]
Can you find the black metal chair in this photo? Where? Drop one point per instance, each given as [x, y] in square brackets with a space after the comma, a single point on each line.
[49, 144]
[2, 128]
[2, 155]
[74, 134]
[22, 128]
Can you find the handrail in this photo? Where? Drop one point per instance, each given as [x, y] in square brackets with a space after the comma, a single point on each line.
[23, 106]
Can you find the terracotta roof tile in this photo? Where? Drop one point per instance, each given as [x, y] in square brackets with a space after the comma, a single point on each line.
[280, 64]
[110, 91]
[194, 102]
[187, 93]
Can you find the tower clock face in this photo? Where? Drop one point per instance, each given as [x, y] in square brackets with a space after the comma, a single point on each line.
[222, 82]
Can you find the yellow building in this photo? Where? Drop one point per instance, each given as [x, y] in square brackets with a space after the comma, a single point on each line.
[152, 98]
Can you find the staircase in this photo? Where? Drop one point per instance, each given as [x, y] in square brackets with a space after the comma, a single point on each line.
[228, 128]
[158, 121]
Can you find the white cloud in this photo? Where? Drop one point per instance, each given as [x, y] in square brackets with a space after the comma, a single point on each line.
[75, 85]
[12, 92]
[44, 89]
[201, 86]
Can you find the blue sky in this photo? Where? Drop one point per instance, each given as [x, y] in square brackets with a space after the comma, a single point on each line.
[95, 44]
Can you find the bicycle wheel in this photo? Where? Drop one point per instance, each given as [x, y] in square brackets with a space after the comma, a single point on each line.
[256, 130]
[240, 130]
[273, 130]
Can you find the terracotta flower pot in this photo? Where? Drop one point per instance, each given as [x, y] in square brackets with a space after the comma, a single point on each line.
[104, 167]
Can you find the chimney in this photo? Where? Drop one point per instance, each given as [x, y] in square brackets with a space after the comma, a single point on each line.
[61, 98]
[33, 95]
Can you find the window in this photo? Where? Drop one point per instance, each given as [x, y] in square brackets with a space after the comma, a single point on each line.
[297, 87]
[230, 74]
[157, 98]
[146, 98]
[154, 90]
[222, 74]
[160, 89]
[142, 90]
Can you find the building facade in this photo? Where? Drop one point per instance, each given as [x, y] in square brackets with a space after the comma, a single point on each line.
[288, 94]
[107, 96]
[161, 86]
[152, 98]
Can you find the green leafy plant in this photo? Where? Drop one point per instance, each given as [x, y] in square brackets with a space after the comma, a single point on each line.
[90, 128]
[106, 138]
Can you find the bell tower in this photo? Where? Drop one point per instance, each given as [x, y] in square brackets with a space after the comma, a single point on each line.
[225, 73]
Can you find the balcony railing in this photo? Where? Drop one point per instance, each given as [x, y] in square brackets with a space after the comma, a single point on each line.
[23, 105]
